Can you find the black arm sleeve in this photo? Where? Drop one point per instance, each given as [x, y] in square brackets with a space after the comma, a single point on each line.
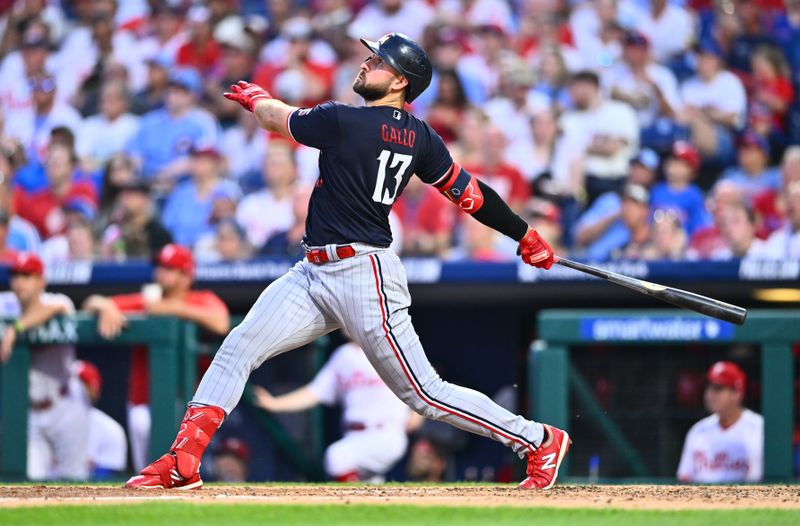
[496, 214]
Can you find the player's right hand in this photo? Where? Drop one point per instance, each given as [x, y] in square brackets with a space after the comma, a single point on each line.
[535, 251]
[110, 322]
[247, 94]
[262, 398]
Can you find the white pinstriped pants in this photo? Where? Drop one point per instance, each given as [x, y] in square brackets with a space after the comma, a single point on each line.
[367, 296]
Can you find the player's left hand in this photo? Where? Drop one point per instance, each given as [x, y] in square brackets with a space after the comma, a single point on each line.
[247, 94]
[535, 251]
[7, 346]
[263, 398]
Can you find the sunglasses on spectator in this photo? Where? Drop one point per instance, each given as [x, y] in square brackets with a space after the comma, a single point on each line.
[44, 85]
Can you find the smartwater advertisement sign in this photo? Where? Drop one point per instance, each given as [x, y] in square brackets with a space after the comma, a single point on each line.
[665, 328]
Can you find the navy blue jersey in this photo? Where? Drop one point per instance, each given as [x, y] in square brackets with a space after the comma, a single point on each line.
[367, 155]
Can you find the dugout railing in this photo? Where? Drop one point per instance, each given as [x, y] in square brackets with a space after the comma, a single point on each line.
[173, 346]
[552, 379]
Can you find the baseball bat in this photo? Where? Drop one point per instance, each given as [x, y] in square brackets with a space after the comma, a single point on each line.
[680, 298]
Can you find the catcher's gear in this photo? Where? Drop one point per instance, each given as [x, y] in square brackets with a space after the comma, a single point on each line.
[407, 57]
[247, 94]
[535, 250]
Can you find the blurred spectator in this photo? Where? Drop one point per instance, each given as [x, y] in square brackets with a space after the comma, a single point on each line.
[552, 78]
[77, 243]
[427, 218]
[226, 243]
[648, 87]
[634, 216]
[427, 461]
[57, 419]
[769, 205]
[714, 105]
[536, 162]
[245, 146]
[514, 105]
[288, 243]
[171, 295]
[109, 132]
[280, 176]
[478, 243]
[167, 136]
[237, 63]
[374, 420]
[162, 34]
[200, 52]
[492, 168]
[599, 137]
[16, 233]
[728, 445]
[231, 461]
[600, 230]
[678, 192]
[784, 243]
[597, 30]
[473, 13]
[708, 241]
[480, 69]
[447, 110]
[669, 27]
[668, 239]
[44, 208]
[154, 93]
[188, 211]
[753, 174]
[749, 37]
[134, 230]
[545, 218]
[119, 171]
[108, 446]
[385, 16]
[603, 228]
[32, 128]
[739, 233]
[770, 93]
[296, 67]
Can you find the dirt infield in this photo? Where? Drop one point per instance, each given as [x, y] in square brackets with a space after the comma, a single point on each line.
[569, 496]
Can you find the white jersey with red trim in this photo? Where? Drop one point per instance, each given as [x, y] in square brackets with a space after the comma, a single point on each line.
[349, 379]
[713, 454]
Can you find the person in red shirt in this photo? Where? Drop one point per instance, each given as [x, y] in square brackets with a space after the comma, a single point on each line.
[172, 296]
[45, 208]
[770, 92]
[493, 170]
[201, 51]
[427, 220]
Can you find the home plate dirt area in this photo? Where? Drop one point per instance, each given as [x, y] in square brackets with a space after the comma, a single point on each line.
[566, 496]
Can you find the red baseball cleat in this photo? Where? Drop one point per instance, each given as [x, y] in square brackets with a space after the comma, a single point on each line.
[163, 474]
[543, 463]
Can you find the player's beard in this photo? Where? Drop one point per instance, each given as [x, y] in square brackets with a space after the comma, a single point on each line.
[369, 93]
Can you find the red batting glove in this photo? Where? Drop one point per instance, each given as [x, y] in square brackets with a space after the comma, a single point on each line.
[535, 250]
[247, 94]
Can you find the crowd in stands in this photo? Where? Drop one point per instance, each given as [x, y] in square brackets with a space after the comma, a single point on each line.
[654, 129]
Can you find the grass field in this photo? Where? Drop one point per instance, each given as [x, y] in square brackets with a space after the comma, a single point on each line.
[160, 513]
[407, 505]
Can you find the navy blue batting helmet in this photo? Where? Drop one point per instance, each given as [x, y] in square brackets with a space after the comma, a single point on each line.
[407, 57]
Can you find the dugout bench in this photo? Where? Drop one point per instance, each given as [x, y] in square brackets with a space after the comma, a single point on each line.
[550, 375]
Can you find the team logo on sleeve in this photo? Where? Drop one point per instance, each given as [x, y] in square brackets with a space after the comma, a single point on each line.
[303, 111]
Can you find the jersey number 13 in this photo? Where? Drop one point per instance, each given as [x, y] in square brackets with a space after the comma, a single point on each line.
[388, 195]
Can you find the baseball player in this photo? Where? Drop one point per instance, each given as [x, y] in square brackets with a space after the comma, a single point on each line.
[57, 417]
[173, 296]
[349, 279]
[374, 420]
[728, 445]
[108, 447]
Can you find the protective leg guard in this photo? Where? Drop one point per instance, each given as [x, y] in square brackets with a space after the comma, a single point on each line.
[198, 426]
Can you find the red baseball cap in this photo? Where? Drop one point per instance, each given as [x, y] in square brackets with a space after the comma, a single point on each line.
[177, 257]
[27, 263]
[90, 375]
[686, 152]
[727, 374]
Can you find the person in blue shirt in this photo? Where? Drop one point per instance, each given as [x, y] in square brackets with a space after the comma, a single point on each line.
[188, 209]
[678, 192]
[168, 135]
[753, 175]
